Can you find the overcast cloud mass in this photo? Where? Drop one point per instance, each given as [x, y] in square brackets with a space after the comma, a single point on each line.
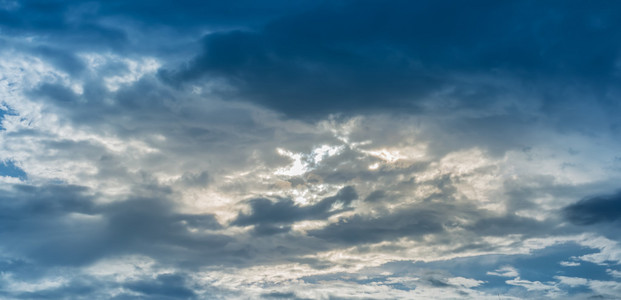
[280, 149]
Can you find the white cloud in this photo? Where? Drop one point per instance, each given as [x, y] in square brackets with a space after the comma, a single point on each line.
[549, 288]
[572, 281]
[465, 282]
[506, 271]
[569, 263]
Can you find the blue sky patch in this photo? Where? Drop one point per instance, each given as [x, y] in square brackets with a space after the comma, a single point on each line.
[8, 168]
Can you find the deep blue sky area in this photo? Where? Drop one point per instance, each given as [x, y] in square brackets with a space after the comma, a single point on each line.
[345, 149]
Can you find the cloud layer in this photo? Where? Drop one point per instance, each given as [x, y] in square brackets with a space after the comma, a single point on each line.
[309, 150]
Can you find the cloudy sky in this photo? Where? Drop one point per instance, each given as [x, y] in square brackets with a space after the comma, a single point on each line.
[302, 149]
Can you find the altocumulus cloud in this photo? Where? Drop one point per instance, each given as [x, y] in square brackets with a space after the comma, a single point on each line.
[309, 150]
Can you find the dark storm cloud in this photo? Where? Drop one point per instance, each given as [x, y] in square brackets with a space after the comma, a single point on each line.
[371, 55]
[270, 216]
[307, 58]
[599, 209]
[111, 25]
[63, 225]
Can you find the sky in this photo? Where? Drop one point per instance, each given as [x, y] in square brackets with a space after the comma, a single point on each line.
[297, 149]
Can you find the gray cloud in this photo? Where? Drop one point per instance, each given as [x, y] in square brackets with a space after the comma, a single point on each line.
[268, 215]
[318, 61]
[593, 210]
[165, 286]
[63, 225]
[368, 229]
[510, 224]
